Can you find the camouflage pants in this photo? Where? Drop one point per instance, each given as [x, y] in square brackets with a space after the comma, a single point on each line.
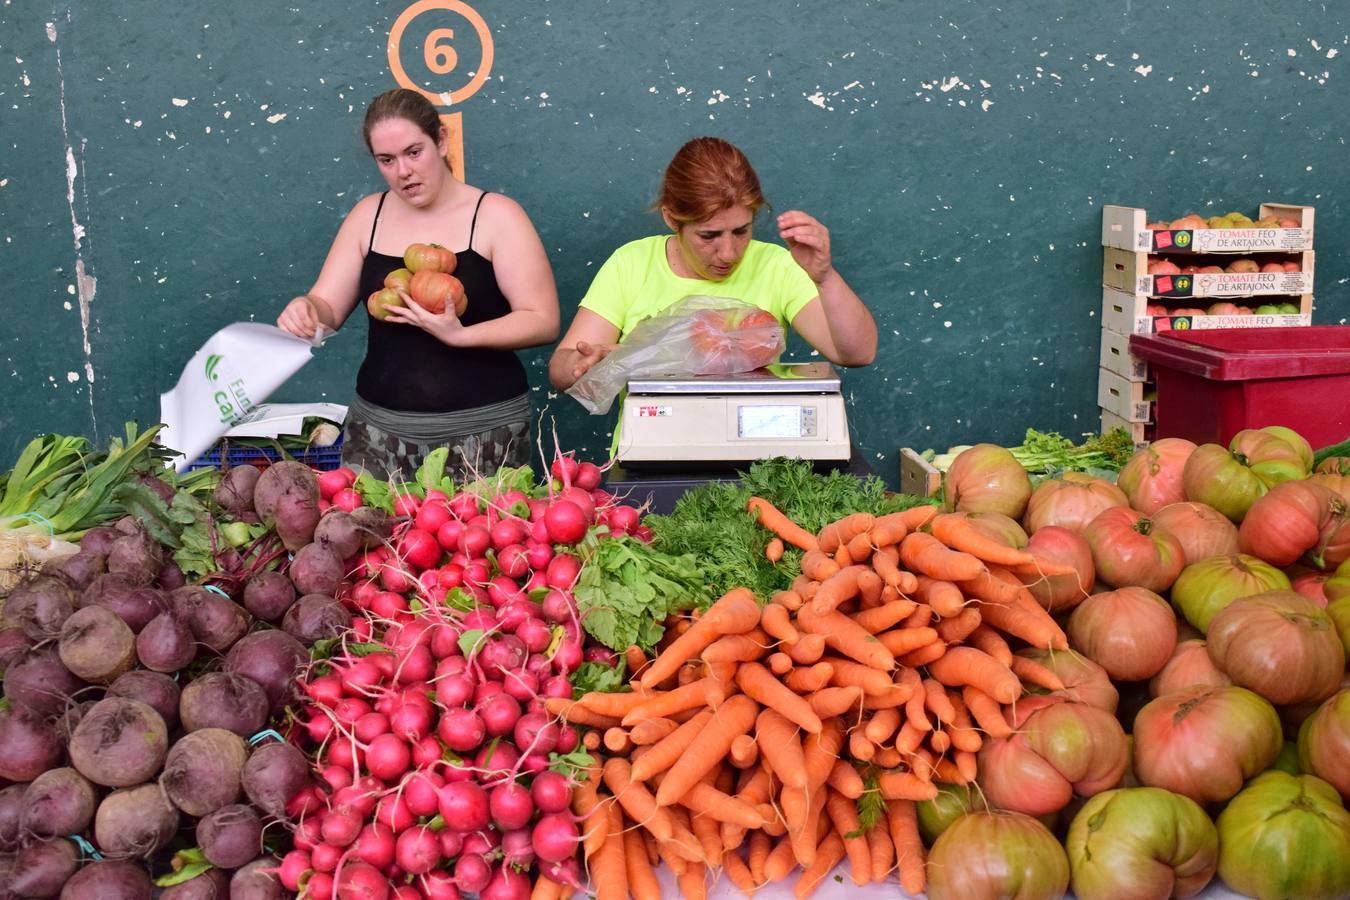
[386, 455]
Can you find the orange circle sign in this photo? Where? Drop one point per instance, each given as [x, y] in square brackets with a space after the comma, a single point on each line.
[438, 53]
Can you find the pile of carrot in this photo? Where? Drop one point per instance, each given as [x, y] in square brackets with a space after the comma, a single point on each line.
[748, 742]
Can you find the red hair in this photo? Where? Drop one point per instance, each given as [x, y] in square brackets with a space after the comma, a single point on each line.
[706, 176]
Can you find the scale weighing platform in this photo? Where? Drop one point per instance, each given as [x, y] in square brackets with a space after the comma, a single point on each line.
[788, 409]
[680, 431]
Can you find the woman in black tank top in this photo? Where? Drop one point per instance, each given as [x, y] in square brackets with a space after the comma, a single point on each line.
[430, 380]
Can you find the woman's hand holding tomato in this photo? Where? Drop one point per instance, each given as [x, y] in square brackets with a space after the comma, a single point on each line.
[444, 327]
[809, 242]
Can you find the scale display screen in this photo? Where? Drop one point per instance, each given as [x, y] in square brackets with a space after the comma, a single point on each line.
[775, 421]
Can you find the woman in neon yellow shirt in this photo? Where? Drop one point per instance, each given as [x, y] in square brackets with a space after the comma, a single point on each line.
[709, 197]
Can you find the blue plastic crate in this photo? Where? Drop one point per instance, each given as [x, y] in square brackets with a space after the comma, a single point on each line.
[227, 454]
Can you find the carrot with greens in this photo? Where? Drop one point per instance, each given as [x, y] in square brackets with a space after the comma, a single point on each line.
[900, 641]
[879, 618]
[991, 642]
[649, 731]
[777, 623]
[734, 718]
[738, 873]
[924, 655]
[870, 587]
[759, 684]
[843, 813]
[808, 649]
[736, 612]
[780, 747]
[845, 779]
[905, 786]
[738, 647]
[944, 596]
[860, 547]
[843, 634]
[967, 666]
[859, 747]
[806, 679]
[613, 704]
[924, 554]
[986, 712]
[757, 856]
[577, 714]
[888, 530]
[1033, 672]
[839, 588]
[902, 819]
[642, 881]
[698, 693]
[958, 628]
[882, 850]
[774, 519]
[826, 856]
[637, 801]
[609, 869]
[773, 551]
[868, 679]
[744, 752]
[790, 600]
[817, 565]
[842, 531]
[662, 755]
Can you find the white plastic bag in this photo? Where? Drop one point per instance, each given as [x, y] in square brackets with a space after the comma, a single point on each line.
[697, 336]
[235, 370]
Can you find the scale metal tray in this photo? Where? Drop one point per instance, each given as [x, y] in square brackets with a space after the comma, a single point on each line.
[781, 378]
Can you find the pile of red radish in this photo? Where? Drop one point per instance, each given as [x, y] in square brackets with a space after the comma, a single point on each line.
[428, 724]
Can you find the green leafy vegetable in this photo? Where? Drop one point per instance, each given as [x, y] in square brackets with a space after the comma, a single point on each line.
[1049, 453]
[871, 806]
[571, 765]
[596, 676]
[469, 641]
[187, 865]
[627, 588]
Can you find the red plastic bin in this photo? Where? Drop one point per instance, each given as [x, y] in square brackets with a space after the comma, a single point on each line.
[1214, 383]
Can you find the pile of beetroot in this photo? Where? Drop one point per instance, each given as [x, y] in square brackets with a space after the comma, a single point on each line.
[352, 705]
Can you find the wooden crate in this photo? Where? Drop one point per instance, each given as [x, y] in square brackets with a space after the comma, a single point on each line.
[1127, 271]
[1130, 400]
[917, 475]
[1124, 228]
[1117, 358]
[1127, 313]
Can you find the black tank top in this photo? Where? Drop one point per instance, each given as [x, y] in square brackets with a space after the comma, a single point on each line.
[407, 369]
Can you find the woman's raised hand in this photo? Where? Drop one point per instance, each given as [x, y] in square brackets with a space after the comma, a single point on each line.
[809, 242]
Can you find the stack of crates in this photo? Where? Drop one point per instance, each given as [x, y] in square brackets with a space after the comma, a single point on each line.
[1188, 275]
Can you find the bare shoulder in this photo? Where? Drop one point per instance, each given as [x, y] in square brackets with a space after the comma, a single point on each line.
[503, 224]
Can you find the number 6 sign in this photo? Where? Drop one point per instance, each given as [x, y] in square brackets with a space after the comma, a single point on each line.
[442, 59]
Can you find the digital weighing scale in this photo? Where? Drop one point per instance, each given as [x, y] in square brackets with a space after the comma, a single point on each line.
[787, 409]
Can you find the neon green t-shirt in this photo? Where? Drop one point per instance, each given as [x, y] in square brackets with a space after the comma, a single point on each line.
[636, 282]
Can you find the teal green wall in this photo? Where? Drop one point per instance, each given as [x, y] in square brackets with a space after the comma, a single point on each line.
[166, 169]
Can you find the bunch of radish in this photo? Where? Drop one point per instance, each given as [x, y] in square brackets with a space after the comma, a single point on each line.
[434, 750]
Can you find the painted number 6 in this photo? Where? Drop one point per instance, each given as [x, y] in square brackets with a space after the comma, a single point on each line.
[440, 56]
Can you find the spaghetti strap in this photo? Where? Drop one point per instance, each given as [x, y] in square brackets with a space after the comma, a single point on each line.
[376, 222]
[473, 223]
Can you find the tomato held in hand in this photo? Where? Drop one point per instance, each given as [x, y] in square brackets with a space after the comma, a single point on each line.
[398, 279]
[735, 340]
[429, 258]
[433, 291]
[380, 302]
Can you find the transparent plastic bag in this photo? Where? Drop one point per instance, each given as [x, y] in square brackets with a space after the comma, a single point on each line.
[699, 335]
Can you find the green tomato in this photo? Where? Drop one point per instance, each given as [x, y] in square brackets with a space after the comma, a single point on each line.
[1267, 309]
[1140, 843]
[236, 533]
[1339, 610]
[1287, 761]
[1286, 836]
[951, 803]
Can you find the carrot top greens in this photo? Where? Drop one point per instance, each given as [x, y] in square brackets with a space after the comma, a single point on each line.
[711, 522]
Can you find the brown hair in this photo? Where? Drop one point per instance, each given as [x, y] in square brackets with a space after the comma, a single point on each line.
[401, 103]
[706, 176]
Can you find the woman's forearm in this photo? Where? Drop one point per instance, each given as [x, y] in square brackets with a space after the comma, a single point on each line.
[516, 330]
[852, 328]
